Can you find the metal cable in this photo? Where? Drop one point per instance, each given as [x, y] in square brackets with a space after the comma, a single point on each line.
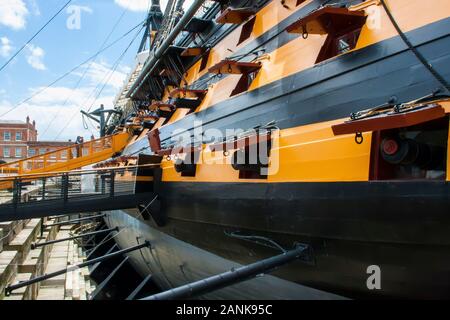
[108, 76]
[69, 72]
[255, 239]
[414, 50]
[34, 36]
[86, 71]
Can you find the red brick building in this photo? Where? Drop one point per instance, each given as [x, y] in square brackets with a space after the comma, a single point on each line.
[18, 140]
[14, 137]
[36, 148]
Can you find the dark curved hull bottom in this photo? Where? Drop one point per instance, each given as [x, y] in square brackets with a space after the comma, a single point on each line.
[402, 227]
[174, 263]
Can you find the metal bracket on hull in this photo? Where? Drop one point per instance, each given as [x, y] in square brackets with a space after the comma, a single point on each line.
[105, 282]
[37, 244]
[231, 277]
[62, 223]
[397, 116]
[153, 210]
[139, 287]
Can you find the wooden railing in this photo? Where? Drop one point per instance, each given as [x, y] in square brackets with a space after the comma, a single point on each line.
[69, 158]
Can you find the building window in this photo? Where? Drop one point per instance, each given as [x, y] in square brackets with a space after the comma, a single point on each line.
[42, 151]
[6, 152]
[64, 154]
[31, 152]
[18, 136]
[18, 152]
[7, 136]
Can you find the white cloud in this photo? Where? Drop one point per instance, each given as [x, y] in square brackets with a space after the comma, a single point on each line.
[35, 7]
[35, 57]
[59, 106]
[5, 47]
[13, 13]
[143, 5]
[49, 108]
[98, 73]
[134, 5]
[59, 95]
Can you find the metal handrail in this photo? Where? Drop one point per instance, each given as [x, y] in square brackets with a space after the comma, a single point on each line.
[105, 183]
[56, 174]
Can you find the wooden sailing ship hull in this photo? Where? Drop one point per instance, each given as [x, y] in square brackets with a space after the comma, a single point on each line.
[401, 227]
[329, 192]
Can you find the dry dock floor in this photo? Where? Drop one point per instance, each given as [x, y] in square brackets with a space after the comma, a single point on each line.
[18, 262]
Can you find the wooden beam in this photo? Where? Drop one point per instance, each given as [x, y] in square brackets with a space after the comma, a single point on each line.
[391, 120]
[327, 20]
[235, 67]
[235, 16]
[189, 93]
[193, 52]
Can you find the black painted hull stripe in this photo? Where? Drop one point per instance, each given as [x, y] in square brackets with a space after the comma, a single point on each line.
[326, 210]
[272, 39]
[332, 89]
[314, 76]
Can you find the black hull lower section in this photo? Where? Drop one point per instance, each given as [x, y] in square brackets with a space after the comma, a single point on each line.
[402, 227]
[173, 263]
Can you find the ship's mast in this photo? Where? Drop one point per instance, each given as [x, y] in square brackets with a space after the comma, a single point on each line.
[152, 25]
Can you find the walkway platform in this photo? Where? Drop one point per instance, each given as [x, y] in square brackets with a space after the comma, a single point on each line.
[38, 196]
[95, 203]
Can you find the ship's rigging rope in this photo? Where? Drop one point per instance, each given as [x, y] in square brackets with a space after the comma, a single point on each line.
[174, 66]
[104, 84]
[256, 51]
[171, 15]
[414, 50]
[34, 36]
[38, 92]
[419, 56]
[86, 71]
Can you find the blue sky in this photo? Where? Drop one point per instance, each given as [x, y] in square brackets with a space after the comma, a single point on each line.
[58, 49]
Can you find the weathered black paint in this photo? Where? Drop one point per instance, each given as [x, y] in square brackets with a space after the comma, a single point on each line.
[332, 89]
[403, 227]
[336, 87]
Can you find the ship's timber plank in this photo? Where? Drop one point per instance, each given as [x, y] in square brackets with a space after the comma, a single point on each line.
[1, 240]
[76, 294]
[68, 293]
[51, 293]
[32, 262]
[10, 229]
[24, 293]
[8, 269]
[56, 264]
[82, 275]
[57, 261]
[22, 242]
[69, 278]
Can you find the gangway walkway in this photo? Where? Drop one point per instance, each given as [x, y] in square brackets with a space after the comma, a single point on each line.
[77, 191]
[67, 158]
